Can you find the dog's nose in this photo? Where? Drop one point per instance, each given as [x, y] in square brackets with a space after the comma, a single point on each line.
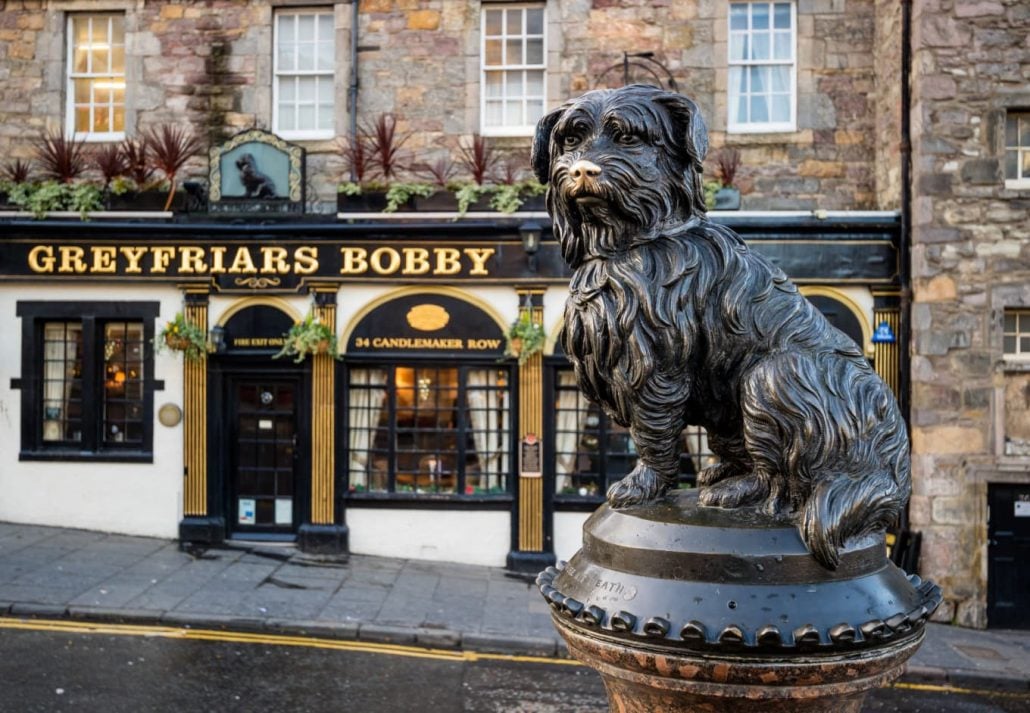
[583, 169]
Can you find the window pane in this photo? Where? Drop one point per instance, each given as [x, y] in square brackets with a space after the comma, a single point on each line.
[514, 24]
[326, 56]
[493, 54]
[534, 111]
[736, 80]
[286, 57]
[286, 31]
[306, 87]
[325, 116]
[783, 48]
[81, 62]
[1010, 345]
[101, 119]
[514, 84]
[101, 61]
[760, 45]
[780, 77]
[780, 107]
[513, 113]
[82, 118]
[534, 51]
[738, 16]
[306, 118]
[287, 89]
[494, 85]
[742, 113]
[1024, 130]
[305, 56]
[305, 28]
[493, 22]
[287, 122]
[535, 21]
[1010, 322]
[781, 15]
[494, 113]
[325, 27]
[534, 83]
[118, 117]
[1026, 163]
[1024, 345]
[759, 109]
[738, 46]
[759, 16]
[513, 52]
[1011, 130]
[758, 83]
[118, 59]
[62, 381]
[1012, 164]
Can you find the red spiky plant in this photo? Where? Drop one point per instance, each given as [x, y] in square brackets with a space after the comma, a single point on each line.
[386, 145]
[110, 161]
[60, 158]
[478, 158]
[171, 147]
[137, 162]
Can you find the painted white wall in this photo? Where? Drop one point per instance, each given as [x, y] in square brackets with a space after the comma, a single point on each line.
[568, 533]
[468, 537]
[129, 498]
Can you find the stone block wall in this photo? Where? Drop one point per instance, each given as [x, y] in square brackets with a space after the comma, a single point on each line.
[970, 260]
[209, 63]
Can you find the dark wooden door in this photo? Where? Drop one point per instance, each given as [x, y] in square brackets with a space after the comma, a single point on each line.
[1008, 551]
[263, 444]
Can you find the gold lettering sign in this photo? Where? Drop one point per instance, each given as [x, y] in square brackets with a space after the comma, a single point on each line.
[199, 260]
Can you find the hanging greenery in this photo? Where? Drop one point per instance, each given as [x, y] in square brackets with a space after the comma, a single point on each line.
[525, 338]
[181, 335]
[308, 336]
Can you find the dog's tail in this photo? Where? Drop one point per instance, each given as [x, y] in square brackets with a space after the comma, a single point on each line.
[841, 507]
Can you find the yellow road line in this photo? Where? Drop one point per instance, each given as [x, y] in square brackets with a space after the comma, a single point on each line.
[236, 637]
[934, 688]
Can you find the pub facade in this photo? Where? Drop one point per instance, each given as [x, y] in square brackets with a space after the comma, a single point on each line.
[425, 437]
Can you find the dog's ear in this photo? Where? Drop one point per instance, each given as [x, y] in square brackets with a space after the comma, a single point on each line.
[690, 124]
[541, 155]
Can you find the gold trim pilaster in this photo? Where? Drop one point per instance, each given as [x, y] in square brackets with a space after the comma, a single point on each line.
[531, 420]
[323, 423]
[194, 442]
[887, 356]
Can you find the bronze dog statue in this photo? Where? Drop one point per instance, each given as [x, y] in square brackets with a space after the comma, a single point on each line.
[672, 321]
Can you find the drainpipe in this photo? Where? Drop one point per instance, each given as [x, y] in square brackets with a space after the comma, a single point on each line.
[352, 90]
[905, 247]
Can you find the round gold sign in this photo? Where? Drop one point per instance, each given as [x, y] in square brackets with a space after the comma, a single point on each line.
[169, 415]
[428, 318]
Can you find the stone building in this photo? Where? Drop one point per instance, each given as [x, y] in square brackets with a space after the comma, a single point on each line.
[813, 95]
[970, 84]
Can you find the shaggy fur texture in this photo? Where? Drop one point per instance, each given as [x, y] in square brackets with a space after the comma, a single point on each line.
[672, 320]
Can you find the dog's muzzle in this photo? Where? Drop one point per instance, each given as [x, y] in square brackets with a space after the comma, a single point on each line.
[584, 176]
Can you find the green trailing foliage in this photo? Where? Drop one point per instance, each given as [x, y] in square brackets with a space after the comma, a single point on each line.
[400, 193]
[50, 196]
[525, 338]
[181, 335]
[308, 337]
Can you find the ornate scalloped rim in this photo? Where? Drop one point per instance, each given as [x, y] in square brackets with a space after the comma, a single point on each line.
[294, 152]
[695, 635]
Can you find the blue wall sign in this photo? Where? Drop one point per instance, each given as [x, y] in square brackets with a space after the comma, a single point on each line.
[884, 334]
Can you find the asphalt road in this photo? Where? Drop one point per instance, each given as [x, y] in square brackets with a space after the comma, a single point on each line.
[62, 667]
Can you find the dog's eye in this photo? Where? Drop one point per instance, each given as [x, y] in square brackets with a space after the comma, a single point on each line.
[625, 139]
[571, 140]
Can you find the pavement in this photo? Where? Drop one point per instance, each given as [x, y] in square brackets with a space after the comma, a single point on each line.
[48, 572]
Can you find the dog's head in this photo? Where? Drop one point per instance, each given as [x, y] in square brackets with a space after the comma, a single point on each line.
[621, 164]
[245, 163]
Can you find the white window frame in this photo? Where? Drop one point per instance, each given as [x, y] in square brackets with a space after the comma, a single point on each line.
[1022, 330]
[1022, 181]
[302, 134]
[71, 75]
[529, 128]
[732, 125]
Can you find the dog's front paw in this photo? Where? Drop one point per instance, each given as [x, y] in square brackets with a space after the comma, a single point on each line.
[642, 485]
[712, 474]
[734, 492]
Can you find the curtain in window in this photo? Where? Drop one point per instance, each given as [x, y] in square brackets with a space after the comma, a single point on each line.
[367, 398]
[488, 412]
[572, 411]
[60, 357]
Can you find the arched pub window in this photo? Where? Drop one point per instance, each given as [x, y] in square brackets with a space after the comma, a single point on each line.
[429, 404]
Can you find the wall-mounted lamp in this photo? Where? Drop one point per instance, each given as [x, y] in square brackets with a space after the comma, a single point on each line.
[217, 338]
[531, 233]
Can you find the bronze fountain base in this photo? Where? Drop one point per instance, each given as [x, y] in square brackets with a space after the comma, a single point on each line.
[686, 608]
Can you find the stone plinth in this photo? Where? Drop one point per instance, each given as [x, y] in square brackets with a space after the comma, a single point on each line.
[683, 608]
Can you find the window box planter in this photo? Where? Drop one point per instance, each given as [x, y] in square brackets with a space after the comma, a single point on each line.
[369, 202]
[153, 200]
